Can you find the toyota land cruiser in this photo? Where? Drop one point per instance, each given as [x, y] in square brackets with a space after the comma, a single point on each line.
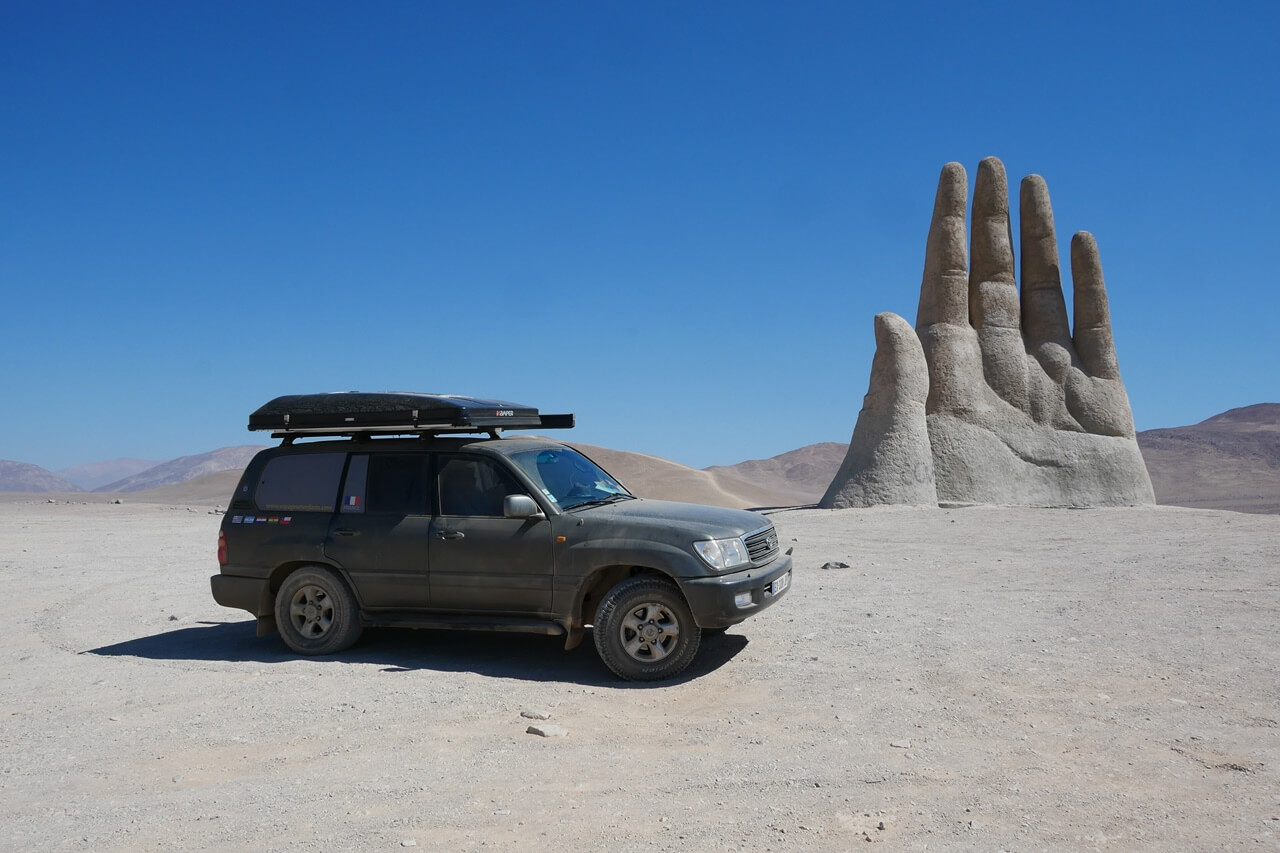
[394, 516]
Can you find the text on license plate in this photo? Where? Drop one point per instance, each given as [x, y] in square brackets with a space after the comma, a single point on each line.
[779, 585]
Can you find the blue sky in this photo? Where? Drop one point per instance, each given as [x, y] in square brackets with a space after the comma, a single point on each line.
[676, 219]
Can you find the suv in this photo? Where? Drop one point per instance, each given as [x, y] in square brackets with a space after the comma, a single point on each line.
[393, 518]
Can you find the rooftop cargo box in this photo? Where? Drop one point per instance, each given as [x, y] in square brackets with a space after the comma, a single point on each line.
[352, 412]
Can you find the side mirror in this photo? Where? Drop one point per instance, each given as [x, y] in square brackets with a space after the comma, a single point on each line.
[521, 506]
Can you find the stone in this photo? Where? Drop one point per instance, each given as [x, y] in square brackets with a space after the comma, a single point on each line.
[835, 565]
[531, 714]
[994, 398]
[547, 730]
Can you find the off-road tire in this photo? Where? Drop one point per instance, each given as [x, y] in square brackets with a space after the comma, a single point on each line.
[644, 630]
[316, 613]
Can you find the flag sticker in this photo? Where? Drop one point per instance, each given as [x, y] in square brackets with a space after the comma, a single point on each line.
[351, 500]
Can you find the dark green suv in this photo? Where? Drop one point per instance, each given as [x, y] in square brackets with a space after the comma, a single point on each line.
[364, 526]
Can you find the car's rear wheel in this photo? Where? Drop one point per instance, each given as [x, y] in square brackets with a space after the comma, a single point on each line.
[644, 630]
[316, 613]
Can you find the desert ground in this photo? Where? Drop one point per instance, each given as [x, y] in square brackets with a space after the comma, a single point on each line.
[976, 679]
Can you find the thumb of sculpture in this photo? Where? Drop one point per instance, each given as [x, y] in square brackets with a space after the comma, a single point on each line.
[889, 459]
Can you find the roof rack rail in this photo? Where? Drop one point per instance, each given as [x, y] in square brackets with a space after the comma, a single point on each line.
[351, 413]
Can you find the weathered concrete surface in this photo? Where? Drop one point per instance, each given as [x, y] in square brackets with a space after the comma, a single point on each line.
[889, 461]
[1020, 408]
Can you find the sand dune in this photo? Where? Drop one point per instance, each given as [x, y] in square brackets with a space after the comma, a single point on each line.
[654, 477]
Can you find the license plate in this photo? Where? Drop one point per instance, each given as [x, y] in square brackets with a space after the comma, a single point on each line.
[780, 585]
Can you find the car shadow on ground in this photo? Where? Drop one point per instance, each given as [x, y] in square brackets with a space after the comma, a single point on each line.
[526, 657]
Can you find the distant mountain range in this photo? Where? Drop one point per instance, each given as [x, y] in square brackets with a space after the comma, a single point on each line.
[95, 475]
[124, 475]
[1230, 461]
[21, 477]
[185, 469]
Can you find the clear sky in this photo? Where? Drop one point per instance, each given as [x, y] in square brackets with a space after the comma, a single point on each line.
[675, 219]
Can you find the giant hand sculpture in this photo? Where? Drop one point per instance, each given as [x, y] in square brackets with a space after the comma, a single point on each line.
[1016, 407]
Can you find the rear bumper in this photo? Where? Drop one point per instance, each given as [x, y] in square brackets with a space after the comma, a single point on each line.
[712, 599]
[251, 594]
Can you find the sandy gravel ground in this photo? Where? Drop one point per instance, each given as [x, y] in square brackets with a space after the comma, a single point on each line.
[978, 679]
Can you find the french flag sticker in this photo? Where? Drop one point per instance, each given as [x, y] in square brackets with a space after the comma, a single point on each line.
[352, 500]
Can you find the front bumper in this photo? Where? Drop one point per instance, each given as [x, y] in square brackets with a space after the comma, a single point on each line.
[712, 599]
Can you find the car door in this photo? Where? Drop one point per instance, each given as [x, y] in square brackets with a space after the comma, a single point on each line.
[381, 531]
[480, 561]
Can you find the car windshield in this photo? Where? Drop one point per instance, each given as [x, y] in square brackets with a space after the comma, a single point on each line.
[568, 478]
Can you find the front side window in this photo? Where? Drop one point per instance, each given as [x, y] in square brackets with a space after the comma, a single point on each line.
[474, 486]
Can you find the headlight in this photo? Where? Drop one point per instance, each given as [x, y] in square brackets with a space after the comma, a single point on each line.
[723, 553]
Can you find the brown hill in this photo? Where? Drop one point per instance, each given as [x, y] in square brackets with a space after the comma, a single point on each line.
[1228, 461]
[797, 477]
[186, 468]
[654, 477]
[210, 490]
[1260, 417]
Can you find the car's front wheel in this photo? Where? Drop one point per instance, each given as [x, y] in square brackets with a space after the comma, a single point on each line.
[644, 630]
[316, 613]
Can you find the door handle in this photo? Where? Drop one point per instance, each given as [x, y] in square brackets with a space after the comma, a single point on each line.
[453, 534]
[347, 531]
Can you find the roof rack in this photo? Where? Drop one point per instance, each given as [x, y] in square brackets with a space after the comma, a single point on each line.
[351, 413]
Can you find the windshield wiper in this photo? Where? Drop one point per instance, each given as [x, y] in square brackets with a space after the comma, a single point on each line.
[607, 500]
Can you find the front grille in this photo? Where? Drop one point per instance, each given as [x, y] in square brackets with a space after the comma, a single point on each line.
[762, 546]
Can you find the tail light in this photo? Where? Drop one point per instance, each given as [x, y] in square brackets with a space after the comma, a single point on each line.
[222, 548]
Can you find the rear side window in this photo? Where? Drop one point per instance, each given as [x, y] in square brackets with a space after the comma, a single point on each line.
[300, 483]
[392, 483]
